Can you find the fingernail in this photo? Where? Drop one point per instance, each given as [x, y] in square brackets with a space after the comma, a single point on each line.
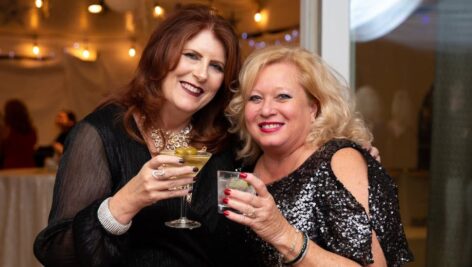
[227, 191]
[225, 200]
[195, 169]
[181, 160]
[190, 191]
[242, 175]
[195, 178]
[226, 213]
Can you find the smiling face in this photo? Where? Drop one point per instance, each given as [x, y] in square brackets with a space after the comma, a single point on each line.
[197, 77]
[278, 112]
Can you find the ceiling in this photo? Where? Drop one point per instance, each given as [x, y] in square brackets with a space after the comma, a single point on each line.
[70, 19]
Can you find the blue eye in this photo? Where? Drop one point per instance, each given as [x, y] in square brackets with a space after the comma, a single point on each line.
[255, 98]
[284, 96]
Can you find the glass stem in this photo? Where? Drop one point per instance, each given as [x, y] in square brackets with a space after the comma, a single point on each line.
[183, 208]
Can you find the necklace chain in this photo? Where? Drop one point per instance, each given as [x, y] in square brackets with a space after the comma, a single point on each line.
[168, 140]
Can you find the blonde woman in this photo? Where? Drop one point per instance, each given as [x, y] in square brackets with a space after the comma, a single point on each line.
[321, 200]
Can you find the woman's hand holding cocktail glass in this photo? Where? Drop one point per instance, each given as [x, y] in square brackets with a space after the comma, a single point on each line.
[257, 210]
[155, 181]
[192, 158]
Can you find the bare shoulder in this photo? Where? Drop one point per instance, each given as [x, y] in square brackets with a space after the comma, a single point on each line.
[350, 169]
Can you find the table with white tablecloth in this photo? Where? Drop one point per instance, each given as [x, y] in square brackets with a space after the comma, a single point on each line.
[25, 201]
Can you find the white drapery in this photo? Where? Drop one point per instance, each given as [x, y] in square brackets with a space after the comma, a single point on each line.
[64, 82]
[372, 19]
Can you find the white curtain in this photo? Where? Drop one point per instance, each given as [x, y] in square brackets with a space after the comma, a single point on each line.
[372, 19]
[65, 82]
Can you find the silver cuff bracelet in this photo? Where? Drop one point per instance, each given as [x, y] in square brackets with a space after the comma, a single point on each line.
[109, 223]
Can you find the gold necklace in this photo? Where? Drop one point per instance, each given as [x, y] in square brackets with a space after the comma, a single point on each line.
[168, 140]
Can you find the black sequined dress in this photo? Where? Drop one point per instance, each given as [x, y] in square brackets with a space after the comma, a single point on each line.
[314, 201]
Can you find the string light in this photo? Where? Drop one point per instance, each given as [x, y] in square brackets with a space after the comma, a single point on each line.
[257, 40]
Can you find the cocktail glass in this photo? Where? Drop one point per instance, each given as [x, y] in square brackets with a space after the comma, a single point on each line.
[193, 158]
[230, 179]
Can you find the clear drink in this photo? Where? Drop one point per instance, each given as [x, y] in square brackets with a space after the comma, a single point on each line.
[230, 179]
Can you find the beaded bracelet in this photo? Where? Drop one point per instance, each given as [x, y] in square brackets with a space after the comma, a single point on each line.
[109, 223]
[302, 253]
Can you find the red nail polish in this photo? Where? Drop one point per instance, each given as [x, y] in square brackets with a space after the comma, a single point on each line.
[226, 213]
[242, 175]
[225, 200]
[227, 191]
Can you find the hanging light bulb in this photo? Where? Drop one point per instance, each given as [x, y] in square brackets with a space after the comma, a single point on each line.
[132, 51]
[85, 53]
[38, 3]
[158, 10]
[258, 16]
[36, 49]
[96, 8]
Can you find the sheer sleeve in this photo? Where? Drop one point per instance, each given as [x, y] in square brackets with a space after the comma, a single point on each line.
[74, 236]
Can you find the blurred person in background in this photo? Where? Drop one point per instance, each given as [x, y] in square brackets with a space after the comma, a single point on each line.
[50, 155]
[65, 120]
[19, 137]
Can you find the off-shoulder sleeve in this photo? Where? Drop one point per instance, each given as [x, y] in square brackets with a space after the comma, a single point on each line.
[74, 236]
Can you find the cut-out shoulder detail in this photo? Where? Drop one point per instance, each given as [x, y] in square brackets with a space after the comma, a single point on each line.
[350, 169]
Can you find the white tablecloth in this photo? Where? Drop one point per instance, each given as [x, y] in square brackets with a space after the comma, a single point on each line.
[25, 201]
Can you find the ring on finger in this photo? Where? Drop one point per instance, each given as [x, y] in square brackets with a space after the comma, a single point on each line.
[251, 214]
[158, 173]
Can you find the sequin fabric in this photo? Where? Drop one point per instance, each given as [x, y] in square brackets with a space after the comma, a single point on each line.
[315, 202]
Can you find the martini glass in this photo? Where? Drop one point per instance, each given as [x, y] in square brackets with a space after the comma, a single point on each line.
[194, 158]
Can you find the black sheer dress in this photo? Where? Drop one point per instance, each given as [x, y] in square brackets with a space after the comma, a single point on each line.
[99, 159]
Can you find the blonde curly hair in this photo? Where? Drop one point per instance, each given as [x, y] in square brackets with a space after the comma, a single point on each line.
[335, 118]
